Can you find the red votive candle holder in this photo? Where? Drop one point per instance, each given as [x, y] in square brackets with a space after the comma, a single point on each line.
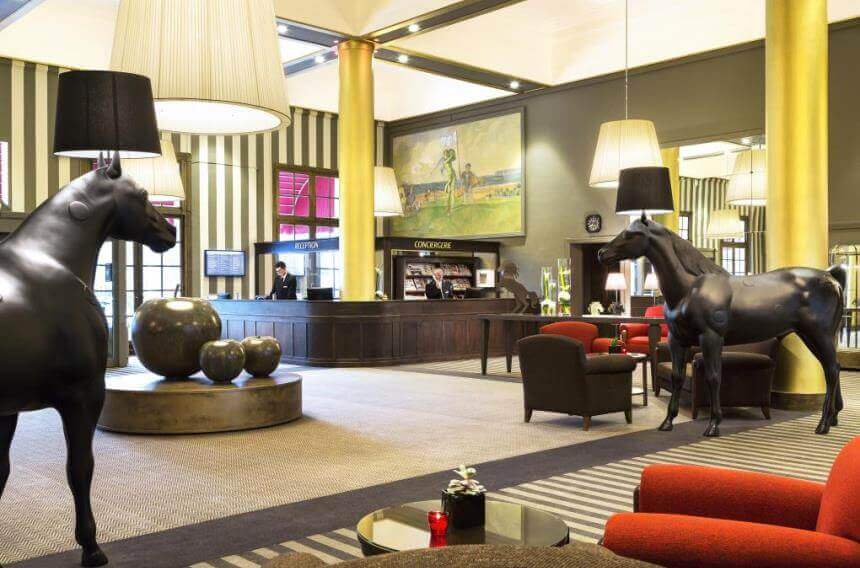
[438, 521]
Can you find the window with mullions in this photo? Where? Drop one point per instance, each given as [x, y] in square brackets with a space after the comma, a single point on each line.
[734, 255]
[684, 224]
[152, 275]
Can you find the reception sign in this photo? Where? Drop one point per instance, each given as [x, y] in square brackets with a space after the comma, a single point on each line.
[463, 180]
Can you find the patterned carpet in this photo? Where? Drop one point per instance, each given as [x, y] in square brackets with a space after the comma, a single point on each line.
[586, 498]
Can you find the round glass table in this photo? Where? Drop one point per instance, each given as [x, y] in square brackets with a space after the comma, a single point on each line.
[404, 527]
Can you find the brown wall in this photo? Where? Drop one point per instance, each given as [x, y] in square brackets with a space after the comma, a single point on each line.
[718, 94]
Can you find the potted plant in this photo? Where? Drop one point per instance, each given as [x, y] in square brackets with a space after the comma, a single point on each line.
[615, 346]
[464, 500]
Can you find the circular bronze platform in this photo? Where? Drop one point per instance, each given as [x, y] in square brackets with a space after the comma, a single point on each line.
[149, 404]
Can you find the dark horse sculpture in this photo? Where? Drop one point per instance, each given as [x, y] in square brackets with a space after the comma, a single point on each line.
[707, 307]
[54, 347]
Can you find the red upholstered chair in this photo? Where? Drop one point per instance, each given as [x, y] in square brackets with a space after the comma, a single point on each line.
[636, 336]
[584, 332]
[692, 516]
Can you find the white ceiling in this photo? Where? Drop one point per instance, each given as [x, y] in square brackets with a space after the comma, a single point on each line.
[550, 41]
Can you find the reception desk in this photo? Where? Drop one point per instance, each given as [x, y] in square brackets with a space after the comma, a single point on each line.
[358, 334]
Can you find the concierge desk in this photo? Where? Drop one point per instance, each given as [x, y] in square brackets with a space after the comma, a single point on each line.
[354, 334]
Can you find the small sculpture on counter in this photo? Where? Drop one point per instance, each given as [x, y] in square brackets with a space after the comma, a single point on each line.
[167, 334]
[262, 355]
[222, 360]
[54, 348]
[526, 301]
[595, 308]
[707, 307]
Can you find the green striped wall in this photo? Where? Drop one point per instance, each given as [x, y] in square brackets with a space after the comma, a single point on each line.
[701, 196]
[231, 198]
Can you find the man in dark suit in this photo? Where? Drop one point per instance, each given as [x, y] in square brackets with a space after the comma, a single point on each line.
[439, 288]
[284, 287]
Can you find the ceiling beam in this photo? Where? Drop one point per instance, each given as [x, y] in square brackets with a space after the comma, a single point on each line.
[309, 34]
[442, 17]
[11, 10]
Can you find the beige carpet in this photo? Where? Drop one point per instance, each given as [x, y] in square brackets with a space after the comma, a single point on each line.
[362, 427]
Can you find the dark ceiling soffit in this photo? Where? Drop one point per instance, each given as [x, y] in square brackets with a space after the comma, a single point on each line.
[311, 34]
[457, 70]
[445, 16]
[11, 10]
[309, 61]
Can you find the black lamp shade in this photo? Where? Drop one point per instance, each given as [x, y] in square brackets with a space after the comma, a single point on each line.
[645, 190]
[100, 111]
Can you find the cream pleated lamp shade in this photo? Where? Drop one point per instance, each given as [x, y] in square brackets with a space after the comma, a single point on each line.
[386, 194]
[748, 181]
[215, 66]
[623, 144]
[158, 176]
[651, 282]
[725, 224]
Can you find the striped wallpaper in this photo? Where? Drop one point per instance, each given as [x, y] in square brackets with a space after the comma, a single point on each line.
[701, 196]
[230, 201]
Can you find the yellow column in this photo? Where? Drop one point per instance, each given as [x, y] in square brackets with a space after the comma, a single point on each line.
[671, 160]
[355, 164]
[796, 118]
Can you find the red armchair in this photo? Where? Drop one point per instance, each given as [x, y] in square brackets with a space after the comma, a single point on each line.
[636, 334]
[692, 516]
[584, 332]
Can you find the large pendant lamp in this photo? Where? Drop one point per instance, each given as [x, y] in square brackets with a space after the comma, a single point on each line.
[158, 176]
[748, 181]
[725, 224]
[386, 194]
[627, 143]
[215, 66]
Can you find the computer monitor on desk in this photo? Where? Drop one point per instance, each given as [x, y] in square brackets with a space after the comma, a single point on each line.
[320, 294]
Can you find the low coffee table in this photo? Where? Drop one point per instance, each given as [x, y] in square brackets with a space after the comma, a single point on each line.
[645, 360]
[404, 527]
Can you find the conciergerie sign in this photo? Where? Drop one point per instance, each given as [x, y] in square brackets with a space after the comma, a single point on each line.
[433, 245]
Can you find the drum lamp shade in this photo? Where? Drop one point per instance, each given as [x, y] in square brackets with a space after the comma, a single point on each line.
[646, 190]
[386, 195]
[621, 144]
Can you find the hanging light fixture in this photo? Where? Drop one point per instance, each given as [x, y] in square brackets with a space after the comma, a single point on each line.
[158, 176]
[725, 224]
[386, 194]
[215, 67]
[624, 143]
[748, 180]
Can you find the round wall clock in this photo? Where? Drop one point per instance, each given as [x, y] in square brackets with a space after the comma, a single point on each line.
[593, 223]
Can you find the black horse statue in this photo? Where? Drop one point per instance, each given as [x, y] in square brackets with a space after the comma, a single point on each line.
[54, 347]
[707, 307]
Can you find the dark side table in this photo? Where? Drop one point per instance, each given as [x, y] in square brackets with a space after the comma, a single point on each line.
[404, 527]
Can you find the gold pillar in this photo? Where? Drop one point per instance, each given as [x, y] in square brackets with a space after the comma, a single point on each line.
[671, 160]
[356, 148]
[796, 119]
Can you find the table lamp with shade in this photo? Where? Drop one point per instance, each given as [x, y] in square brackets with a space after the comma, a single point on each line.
[616, 281]
[105, 111]
[645, 191]
[386, 194]
[651, 284]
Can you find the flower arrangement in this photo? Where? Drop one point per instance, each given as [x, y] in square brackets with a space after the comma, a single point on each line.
[467, 484]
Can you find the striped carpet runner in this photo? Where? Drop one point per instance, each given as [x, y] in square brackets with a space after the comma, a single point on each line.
[586, 498]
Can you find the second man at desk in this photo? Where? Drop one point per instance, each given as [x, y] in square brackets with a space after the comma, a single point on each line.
[439, 288]
[284, 287]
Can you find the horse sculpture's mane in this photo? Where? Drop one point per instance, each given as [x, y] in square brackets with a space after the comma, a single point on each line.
[693, 261]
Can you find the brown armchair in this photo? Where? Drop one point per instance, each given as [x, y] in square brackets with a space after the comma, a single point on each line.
[746, 380]
[558, 377]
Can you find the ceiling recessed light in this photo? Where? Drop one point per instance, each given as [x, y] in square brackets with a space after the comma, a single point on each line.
[403, 58]
[413, 28]
[514, 84]
[319, 59]
[282, 29]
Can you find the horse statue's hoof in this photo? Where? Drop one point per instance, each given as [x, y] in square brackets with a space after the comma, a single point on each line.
[835, 420]
[94, 558]
[713, 431]
[666, 426]
[823, 428]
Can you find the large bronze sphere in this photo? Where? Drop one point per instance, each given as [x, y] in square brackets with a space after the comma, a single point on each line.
[222, 360]
[262, 355]
[167, 334]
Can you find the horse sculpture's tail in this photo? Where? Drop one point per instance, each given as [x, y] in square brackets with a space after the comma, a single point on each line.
[837, 271]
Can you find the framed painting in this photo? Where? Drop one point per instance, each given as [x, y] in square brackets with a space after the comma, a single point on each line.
[463, 180]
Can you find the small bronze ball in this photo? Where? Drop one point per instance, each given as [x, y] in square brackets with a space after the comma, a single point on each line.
[222, 360]
[168, 333]
[262, 355]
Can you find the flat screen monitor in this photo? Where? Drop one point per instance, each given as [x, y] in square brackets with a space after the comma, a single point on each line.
[224, 263]
[320, 294]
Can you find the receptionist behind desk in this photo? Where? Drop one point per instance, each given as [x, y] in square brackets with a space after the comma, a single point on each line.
[284, 287]
[439, 288]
